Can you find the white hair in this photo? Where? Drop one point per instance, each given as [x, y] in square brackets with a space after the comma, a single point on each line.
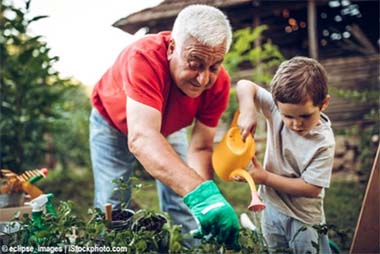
[205, 23]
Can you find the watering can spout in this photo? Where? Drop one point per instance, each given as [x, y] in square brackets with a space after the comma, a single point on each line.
[256, 204]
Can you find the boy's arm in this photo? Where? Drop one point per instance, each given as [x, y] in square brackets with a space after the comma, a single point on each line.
[246, 93]
[292, 186]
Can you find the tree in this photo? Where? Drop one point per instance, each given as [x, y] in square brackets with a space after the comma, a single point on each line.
[262, 59]
[32, 92]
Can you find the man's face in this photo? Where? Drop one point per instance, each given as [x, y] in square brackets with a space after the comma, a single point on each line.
[195, 67]
[301, 118]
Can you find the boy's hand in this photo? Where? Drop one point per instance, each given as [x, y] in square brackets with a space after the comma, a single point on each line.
[247, 122]
[257, 172]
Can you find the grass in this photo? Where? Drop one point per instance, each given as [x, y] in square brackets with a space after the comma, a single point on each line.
[342, 202]
[238, 194]
[342, 206]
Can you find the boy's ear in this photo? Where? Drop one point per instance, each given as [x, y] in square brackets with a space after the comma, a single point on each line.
[325, 103]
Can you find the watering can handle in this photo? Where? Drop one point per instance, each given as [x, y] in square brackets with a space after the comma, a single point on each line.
[235, 119]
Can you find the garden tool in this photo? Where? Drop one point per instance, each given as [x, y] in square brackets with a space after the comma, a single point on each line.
[230, 158]
[27, 179]
[39, 205]
[11, 185]
[108, 211]
[29, 188]
[26, 175]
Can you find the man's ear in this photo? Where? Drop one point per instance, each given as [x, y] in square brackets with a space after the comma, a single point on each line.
[171, 48]
[325, 103]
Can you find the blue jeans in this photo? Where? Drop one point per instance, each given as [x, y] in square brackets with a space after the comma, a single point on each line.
[111, 159]
[280, 229]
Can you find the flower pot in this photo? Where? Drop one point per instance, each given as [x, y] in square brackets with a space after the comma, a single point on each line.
[147, 221]
[122, 219]
[152, 223]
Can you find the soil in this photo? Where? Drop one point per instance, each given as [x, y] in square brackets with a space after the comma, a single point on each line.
[151, 223]
[122, 219]
[119, 215]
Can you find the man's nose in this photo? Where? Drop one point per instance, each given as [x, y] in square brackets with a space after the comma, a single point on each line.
[203, 77]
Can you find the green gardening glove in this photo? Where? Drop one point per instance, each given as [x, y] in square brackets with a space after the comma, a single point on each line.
[214, 213]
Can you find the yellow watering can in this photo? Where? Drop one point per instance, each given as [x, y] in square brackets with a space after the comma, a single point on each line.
[230, 158]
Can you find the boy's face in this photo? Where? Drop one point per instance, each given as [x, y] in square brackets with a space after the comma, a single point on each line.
[301, 118]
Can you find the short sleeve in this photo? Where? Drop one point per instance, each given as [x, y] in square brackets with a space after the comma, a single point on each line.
[141, 81]
[264, 102]
[319, 170]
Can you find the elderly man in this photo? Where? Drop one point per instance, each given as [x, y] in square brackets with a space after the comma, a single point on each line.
[157, 86]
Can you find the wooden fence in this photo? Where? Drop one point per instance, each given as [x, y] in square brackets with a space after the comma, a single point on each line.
[353, 74]
[358, 73]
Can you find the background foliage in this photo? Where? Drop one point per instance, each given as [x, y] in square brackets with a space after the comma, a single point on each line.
[249, 51]
[41, 113]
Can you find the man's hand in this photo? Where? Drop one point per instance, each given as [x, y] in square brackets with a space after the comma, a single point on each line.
[214, 213]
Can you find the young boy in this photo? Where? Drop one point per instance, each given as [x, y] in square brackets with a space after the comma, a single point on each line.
[299, 153]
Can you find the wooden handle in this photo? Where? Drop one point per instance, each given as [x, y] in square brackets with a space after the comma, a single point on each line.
[108, 210]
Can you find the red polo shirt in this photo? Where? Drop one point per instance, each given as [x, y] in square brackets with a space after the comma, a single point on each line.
[141, 71]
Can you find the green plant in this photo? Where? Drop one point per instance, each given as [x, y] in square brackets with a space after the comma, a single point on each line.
[262, 59]
[342, 206]
[150, 230]
[366, 130]
[41, 113]
[133, 183]
[153, 232]
[322, 229]
[26, 72]
[73, 184]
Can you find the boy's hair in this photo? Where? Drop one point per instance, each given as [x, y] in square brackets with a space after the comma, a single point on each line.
[205, 23]
[298, 80]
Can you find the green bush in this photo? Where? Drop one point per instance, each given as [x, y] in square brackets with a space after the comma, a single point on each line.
[41, 113]
[70, 132]
[148, 231]
[262, 59]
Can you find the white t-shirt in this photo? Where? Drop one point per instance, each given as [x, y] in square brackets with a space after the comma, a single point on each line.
[288, 154]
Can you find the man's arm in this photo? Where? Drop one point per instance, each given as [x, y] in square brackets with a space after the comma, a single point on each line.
[200, 150]
[215, 215]
[153, 151]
